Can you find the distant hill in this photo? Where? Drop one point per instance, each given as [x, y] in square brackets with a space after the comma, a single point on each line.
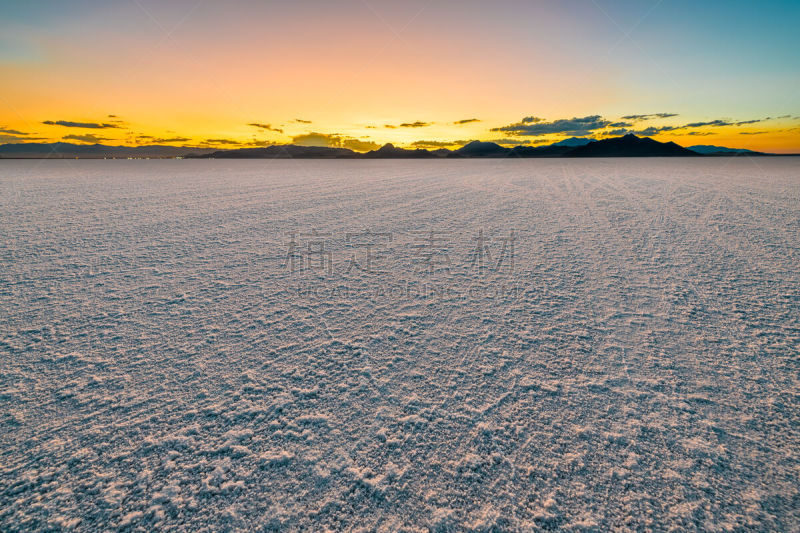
[281, 151]
[390, 151]
[61, 150]
[709, 149]
[481, 149]
[573, 141]
[630, 146]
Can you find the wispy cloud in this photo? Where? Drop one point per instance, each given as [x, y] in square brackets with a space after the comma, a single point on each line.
[85, 125]
[11, 138]
[169, 139]
[417, 124]
[221, 141]
[301, 121]
[438, 144]
[12, 132]
[466, 121]
[649, 116]
[516, 142]
[267, 127]
[721, 122]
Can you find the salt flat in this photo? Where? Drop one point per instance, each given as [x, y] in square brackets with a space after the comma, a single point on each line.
[400, 345]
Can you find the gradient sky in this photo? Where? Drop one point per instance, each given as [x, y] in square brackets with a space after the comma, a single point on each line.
[359, 73]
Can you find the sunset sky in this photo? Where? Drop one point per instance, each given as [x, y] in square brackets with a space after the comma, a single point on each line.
[362, 73]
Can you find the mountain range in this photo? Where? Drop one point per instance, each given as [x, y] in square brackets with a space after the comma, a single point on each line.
[627, 146]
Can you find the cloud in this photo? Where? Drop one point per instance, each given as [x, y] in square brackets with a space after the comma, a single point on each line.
[516, 142]
[438, 144]
[620, 125]
[573, 126]
[301, 121]
[698, 133]
[86, 138]
[334, 140]
[358, 145]
[417, 124]
[650, 116]
[466, 121]
[653, 130]
[752, 132]
[12, 132]
[221, 141]
[70, 124]
[169, 139]
[720, 122]
[15, 139]
[267, 127]
[709, 123]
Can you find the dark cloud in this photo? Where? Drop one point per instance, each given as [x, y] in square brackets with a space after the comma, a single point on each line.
[466, 121]
[86, 125]
[334, 140]
[653, 130]
[169, 139]
[12, 132]
[699, 133]
[10, 138]
[709, 123]
[620, 125]
[720, 122]
[86, 138]
[301, 121]
[752, 132]
[417, 124]
[578, 126]
[267, 127]
[650, 116]
[221, 141]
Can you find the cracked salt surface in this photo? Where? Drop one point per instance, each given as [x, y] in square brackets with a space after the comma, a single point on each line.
[167, 363]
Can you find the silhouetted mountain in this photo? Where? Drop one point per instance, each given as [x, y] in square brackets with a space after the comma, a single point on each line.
[708, 149]
[630, 146]
[61, 150]
[627, 146]
[572, 142]
[282, 151]
[481, 149]
[390, 151]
